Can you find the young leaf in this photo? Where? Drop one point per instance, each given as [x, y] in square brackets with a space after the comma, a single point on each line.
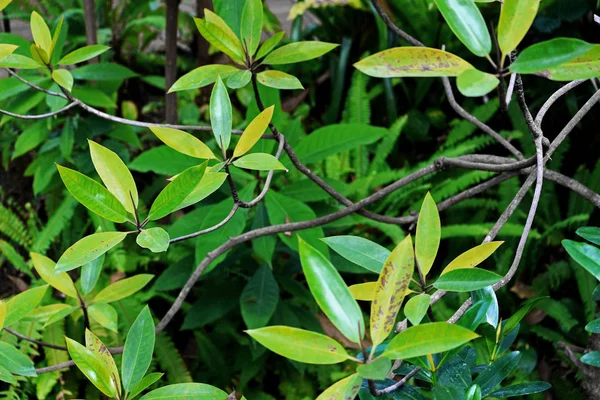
[105, 315]
[220, 39]
[90, 272]
[176, 192]
[466, 280]
[416, 308]
[331, 293]
[298, 52]
[363, 291]
[300, 345]
[93, 195]
[412, 61]
[430, 338]
[259, 299]
[516, 16]
[467, 23]
[251, 26]
[269, 44]
[22, 304]
[183, 142]
[472, 257]
[45, 268]
[589, 233]
[39, 55]
[115, 175]
[56, 36]
[391, 289]
[41, 33]
[259, 162]
[221, 114]
[345, 389]
[253, 132]
[15, 361]
[360, 251]
[123, 288]
[144, 384]
[63, 78]
[101, 352]
[4, 3]
[138, 349]
[239, 79]
[377, 369]
[279, 80]
[191, 391]
[154, 239]
[88, 249]
[202, 76]
[474, 83]
[83, 54]
[429, 231]
[584, 254]
[92, 367]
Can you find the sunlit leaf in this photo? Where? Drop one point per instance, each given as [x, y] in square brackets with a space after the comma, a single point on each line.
[474, 83]
[251, 26]
[92, 367]
[259, 162]
[221, 39]
[221, 114]
[41, 33]
[466, 280]
[467, 23]
[123, 288]
[416, 308]
[377, 369]
[16, 61]
[269, 44]
[253, 132]
[45, 268]
[105, 315]
[22, 304]
[363, 291]
[90, 272]
[210, 182]
[202, 76]
[153, 239]
[95, 345]
[239, 79]
[298, 52]
[279, 80]
[516, 17]
[188, 391]
[345, 389]
[88, 249]
[429, 231]
[472, 257]
[183, 142]
[83, 54]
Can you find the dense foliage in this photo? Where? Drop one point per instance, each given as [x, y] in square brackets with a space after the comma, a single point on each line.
[320, 218]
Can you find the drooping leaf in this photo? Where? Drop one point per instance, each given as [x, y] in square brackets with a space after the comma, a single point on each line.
[495, 373]
[584, 254]
[259, 298]
[251, 26]
[22, 304]
[153, 239]
[15, 361]
[429, 231]
[360, 251]
[39, 55]
[45, 268]
[466, 280]
[516, 17]
[221, 39]
[123, 288]
[591, 234]
[298, 52]
[487, 294]
[269, 44]
[88, 249]
[188, 391]
[83, 54]
[474, 83]
[521, 389]
[221, 114]
[95, 345]
[90, 272]
[138, 349]
[41, 33]
[183, 142]
[416, 308]
[64, 78]
[259, 162]
[363, 291]
[467, 23]
[345, 389]
[279, 80]
[473, 257]
[253, 132]
[92, 367]
[202, 76]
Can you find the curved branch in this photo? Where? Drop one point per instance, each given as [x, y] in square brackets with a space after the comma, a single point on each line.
[38, 342]
[39, 116]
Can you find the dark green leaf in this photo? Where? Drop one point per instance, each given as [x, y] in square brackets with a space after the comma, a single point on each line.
[466, 280]
[259, 298]
[83, 54]
[138, 349]
[521, 389]
[15, 361]
[549, 54]
[591, 234]
[103, 72]
[495, 373]
[584, 254]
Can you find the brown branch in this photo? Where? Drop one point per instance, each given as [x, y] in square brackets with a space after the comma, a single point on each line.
[89, 15]
[172, 11]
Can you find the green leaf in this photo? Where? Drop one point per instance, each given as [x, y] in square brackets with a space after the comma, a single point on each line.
[176, 192]
[390, 290]
[183, 142]
[154, 239]
[331, 293]
[591, 234]
[115, 175]
[45, 268]
[220, 38]
[221, 114]
[16, 61]
[345, 389]
[516, 17]
[592, 358]
[259, 162]
[210, 182]
[521, 389]
[6, 376]
[30, 138]
[39, 55]
[584, 254]
[144, 384]
[430, 338]
[123, 288]
[259, 299]
[360, 251]
[83, 54]
[594, 326]
[101, 352]
[300, 345]
[585, 66]
[474, 83]
[188, 391]
[253, 132]
[138, 349]
[41, 33]
[6, 50]
[103, 72]
[495, 373]
[412, 61]
[105, 315]
[338, 138]
[474, 393]
[92, 367]
[279, 80]
[549, 54]
[466, 280]
[416, 308]
[269, 44]
[251, 26]
[202, 76]
[92, 195]
[56, 39]
[377, 369]
[467, 23]
[239, 79]
[472, 257]
[88, 249]
[429, 231]
[298, 52]
[61, 314]
[90, 272]
[15, 361]
[514, 320]
[63, 78]
[2, 313]
[22, 304]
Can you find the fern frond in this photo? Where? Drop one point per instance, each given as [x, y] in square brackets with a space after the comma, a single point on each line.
[553, 278]
[358, 106]
[463, 129]
[384, 149]
[170, 360]
[55, 334]
[548, 334]
[12, 226]
[60, 220]
[586, 284]
[13, 257]
[560, 313]
[455, 185]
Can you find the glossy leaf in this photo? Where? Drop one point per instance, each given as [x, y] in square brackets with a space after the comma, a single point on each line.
[430, 338]
[514, 320]
[331, 293]
[15, 361]
[259, 162]
[429, 231]
[360, 251]
[472, 257]
[592, 358]
[41, 33]
[57, 36]
[390, 290]
[549, 54]
[88, 249]
[298, 52]
[188, 391]
[93, 195]
[279, 80]
[22, 304]
[61, 314]
[253, 132]
[585, 66]
[176, 192]
[516, 17]
[239, 79]
[153, 239]
[39, 55]
[64, 78]
[251, 26]
[123, 288]
[467, 23]
[345, 389]
[488, 294]
[474, 393]
[363, 291]
[17, 61]
[144, 384]
[183, 142]
[416, 308]
[221, 39]
[105, 315]
[412, 61]
[92, 367]
[591, 234]
[138, 349]
[521, 389]
[83, 54]
[593, 327]
[90, 272]
[221, 114]
[269, 44]
[115, 175]
[202, 76]
[45, 268]
[377, 369]
[95, 345]
[495, 373]
[584, 254]
[476, 314]
[474, 83]
[300, 345]
[466, 280]
[210, 182]
[6, 376]
[259, 299]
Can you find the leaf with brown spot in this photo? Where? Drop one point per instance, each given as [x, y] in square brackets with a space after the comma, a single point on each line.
[95, 345]
[345, 389]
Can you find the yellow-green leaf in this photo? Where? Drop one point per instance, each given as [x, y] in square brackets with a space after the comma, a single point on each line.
[239, 79]
[585, 66]
[63, 78]
[221, 38]
[41, 33]
[412, 61]
[183, 142]
[253, 132]
[4, 3]
[416, 308]
[188, 391]
[2, 313]
[154, 239]
[345, 389]
[259, 162]
[92, 367]
[279, 80]
[269, 44]
[202, 76]
[39, 55]
[298, 52]
[391, 289]
[364, 291]
[22, 304]
[105, 315]
[45, 267]
[6, 50]
[83, 54]
[123, 288]
[210, 182]
[251, 26]
[16, 61]
[474, 83]
[95, 345]
[300, 345]
[429, 232]
[88, 249]
[516, 17]
[56, 34]
[472, 257]
[115, 175]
